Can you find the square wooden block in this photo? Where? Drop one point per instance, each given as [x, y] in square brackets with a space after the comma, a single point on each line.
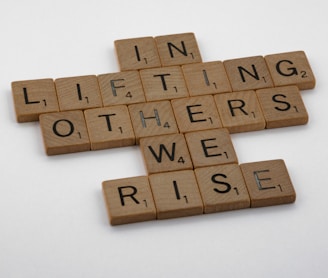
[291, 68]
[121, 88]
[206, 78]
[109, 127]
[268, 183]
[178, 49]
[153, 118]
[222, 188]
[282, 106]
[196, 113]
[64, 132]
[248, 73]
[240, 111]
[165, 153]
[137, 53]
[163, 83]
[176, 194]
[34, 97]
[211, 147]
[78, 93]
[129, 200]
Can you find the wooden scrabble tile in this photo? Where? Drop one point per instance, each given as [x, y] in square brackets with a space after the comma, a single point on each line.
[222, 188]
[153, 118]
[268, 183]
[109, 127]
[176, 194]
[129, 200]
[64, 132]
[211, 147]
[77, 93]
[178, 49]
[165, 153]
[248, 73]
[282, 106]
[137, 53]
[291, 68]
[196, 113]
[163, 83]
[240, 111]
[121, 88]
[206, 78]
[34, 97]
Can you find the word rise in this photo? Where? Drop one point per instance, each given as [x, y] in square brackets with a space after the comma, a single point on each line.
[181, 111]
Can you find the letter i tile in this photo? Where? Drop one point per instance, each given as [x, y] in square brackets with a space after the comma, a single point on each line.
[176, 194]
[129, 200]
[64, 132]
[268, 183]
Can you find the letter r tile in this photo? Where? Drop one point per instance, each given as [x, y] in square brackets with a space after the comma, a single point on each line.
[129, 200]
[268, 183]
[64, 132]
[176, 194]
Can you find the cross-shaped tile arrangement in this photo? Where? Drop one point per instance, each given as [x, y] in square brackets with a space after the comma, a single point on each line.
[181, 112]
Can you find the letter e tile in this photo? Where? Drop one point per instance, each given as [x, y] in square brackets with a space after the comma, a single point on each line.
[129, 200]
[268, 183]
[222, 188]
[176, 194]
[64, 132]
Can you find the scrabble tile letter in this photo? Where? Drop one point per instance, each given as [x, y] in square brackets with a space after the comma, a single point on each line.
[176, 194]
[178, 49]
[248, 73]
[34, 97]
[291, 68]
[222, 188]
[137, 53]
[129, 200]
[268, 183]
[165, 153]
[64, 132]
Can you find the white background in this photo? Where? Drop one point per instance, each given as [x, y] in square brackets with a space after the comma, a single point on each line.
[53, 221]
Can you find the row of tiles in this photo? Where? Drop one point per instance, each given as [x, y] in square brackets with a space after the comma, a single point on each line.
[204, 190]
[122, 125]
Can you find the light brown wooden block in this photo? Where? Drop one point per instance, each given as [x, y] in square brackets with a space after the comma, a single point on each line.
[211, 147]
[34, 97]
[129, 200]
[64, 132]
[206, 78]
[178, 49]
[77, 93]
[137, 53]
[268, 183]
[165, 153]
[163, 83]
[109, 127]
[282, 106]
[222, 188]
[240, 111]
[291, 68]
[153, 118]
[176, 194]
[196, 113]
[121, 88]
[248, 73]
